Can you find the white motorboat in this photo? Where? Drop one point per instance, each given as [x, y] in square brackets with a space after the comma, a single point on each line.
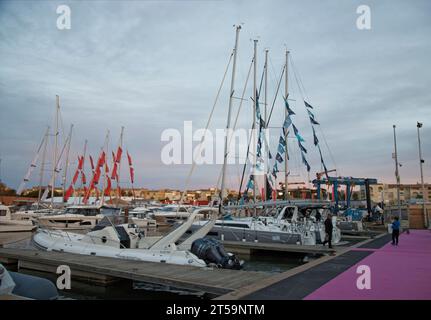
[140, 217]
[79, 217]
[172, 211]
[9, 224]
[33, 215]
[127, 241]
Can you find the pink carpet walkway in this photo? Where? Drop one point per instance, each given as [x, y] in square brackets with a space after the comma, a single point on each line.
[397, 272]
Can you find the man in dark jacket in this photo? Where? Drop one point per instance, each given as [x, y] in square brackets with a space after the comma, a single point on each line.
[328, 230]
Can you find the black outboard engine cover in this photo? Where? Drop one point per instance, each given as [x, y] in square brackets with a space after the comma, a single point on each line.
[212, 251]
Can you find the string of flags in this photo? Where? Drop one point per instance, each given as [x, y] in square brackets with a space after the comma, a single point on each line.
[259, 160]
[314, 122]
[282, 147]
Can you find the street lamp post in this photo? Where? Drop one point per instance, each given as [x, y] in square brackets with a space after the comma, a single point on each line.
[397, 175]
[421, 162]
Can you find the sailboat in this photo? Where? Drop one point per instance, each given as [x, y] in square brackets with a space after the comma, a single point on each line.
[287, 224]
[9, 224]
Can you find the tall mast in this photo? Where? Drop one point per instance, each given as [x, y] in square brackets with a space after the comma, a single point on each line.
[286, 157]
[66, 165]
[84, 155]
[119, 167]
[397, 175]
[232, 90]
[266, 120]
[42, 166]
[54, 163]
[254, 121]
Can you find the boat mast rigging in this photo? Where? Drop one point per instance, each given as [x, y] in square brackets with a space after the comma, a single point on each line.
[42, 166]
[69, 139]
[83, 161]
[254, 122]
[232, 90]
[266, 124]
[119, 168]
[286, 156]
[54, 165]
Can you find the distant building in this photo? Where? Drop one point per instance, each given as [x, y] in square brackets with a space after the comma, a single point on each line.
[409, 193]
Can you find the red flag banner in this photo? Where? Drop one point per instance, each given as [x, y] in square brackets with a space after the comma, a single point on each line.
[75, 177]
[68, 193]
[132, 174]
[114, 172]
[88, 191]
[83, 179]
[101, 160]
[108, 187]
[118, 156]
[113, 157]
[132, 170]
[96, 176]
[92, 163]
[80, 163]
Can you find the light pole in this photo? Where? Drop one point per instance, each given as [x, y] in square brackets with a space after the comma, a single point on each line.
[421, 162]
[397, 175]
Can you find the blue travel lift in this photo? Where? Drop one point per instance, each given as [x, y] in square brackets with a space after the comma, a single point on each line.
[348, 182]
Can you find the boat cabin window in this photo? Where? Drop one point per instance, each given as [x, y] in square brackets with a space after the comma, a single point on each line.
[233, 225]
[288, 213]
[3, 213]
[107, 211]
[174, 209]
[84, 211]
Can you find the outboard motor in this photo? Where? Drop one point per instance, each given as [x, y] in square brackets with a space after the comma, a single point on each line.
[212, 251]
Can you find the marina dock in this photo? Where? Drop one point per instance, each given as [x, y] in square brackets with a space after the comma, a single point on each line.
[331, 276]
[105, 270]
[252, 247]
[397, 272]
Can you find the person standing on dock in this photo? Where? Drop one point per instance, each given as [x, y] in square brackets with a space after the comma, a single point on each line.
[395, 231]
[328, 230]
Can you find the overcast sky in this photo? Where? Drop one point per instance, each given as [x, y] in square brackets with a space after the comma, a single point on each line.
[150, 65]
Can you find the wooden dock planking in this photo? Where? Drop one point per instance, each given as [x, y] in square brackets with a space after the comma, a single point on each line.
[77, 274]
[213, 281]
[281, 247]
